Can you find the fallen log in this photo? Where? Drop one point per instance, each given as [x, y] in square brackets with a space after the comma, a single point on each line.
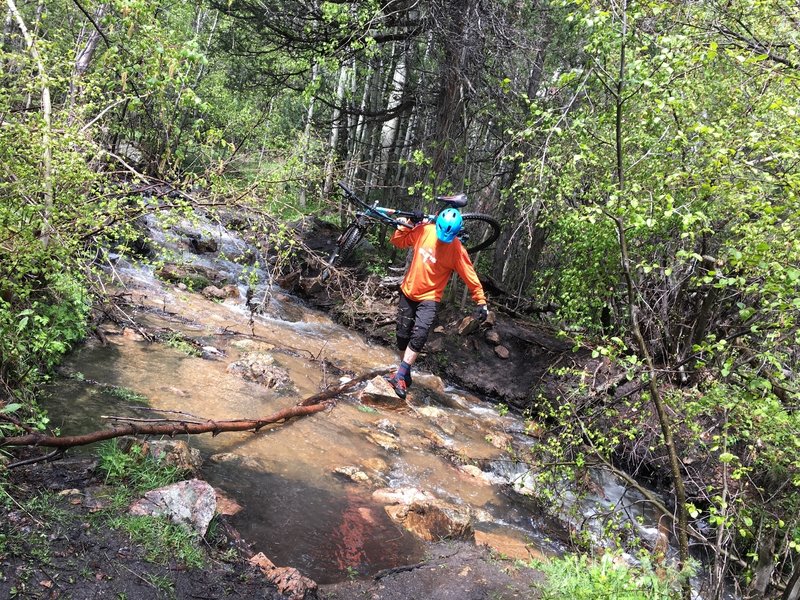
[312, 404]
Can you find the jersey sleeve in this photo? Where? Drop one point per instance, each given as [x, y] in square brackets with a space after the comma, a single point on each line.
[466, 271]
[405, 237]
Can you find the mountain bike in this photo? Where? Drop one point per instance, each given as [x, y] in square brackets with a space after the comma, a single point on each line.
[478, 232]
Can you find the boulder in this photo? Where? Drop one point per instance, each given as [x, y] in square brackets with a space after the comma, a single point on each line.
[289, 581]
[467, 325]
[212, 292]
[190, 503]
[352, 473]
[176, 453]
[260, 367]
[433, 520]
[402, 495]
[378, 392]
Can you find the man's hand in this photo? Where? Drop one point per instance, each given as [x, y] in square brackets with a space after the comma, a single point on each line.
[481, 312]
[417, 216]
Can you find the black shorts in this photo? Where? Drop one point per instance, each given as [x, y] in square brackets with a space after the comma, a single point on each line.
[414, 321]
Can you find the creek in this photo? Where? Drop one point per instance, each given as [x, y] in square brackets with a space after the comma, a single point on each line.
[296, 508]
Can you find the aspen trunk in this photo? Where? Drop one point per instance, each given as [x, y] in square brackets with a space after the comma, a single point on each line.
[47, 150]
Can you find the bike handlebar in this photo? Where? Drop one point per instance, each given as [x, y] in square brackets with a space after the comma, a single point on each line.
[454, 201]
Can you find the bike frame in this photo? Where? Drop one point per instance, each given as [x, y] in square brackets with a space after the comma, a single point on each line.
[367, 214]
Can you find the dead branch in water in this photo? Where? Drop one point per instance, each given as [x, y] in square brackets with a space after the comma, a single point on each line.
[312, 404]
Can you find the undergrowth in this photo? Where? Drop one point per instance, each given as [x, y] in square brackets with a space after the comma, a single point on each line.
[582, 578]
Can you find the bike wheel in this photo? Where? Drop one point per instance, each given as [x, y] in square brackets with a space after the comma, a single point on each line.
[346, 245]
[478, 231]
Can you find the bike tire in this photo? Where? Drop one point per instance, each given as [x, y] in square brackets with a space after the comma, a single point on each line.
[346, 245]
[478, 232]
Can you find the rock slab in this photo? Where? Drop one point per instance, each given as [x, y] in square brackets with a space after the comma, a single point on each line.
[190, 503]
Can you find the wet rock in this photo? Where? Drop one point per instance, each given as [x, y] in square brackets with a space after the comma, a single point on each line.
[202, 245]
[499, 439]
[377, 465]
[131, 334]
[431, 412]
[289, 581]
[260, 367]
[436, 344]
[437, 441]
[378, 392]
[387, 426]
[476, 473]
[249, 345]
[508, 545]
[402, 495]
[385, 440]
[190, 503]
[433, 520]
[230, 457]
[480, 515]
[502, 352]
[352, 473]
[176, 453]
[212, 292]
[226, 505]
[210, 352]
[196, 277]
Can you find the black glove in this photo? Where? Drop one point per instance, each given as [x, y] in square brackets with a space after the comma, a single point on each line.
[417, 215]
[481, 312]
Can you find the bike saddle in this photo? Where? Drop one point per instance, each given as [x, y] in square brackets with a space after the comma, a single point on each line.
[456, 200]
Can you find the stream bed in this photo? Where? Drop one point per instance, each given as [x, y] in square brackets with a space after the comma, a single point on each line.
[300, 504]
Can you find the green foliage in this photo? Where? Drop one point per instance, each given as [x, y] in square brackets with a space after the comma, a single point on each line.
[42, 314]
[127, 394]
[134, 471]
[180, 343]
[579, 577]
[163, 542]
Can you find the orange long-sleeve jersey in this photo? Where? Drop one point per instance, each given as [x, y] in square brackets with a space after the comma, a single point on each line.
[432, 264]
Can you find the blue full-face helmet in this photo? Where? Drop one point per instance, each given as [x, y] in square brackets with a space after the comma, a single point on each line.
[448, 224]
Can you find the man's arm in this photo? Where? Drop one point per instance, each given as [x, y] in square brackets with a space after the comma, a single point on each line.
[405, 237]
[466, 271]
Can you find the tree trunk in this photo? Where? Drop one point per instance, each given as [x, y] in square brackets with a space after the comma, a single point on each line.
[47, 150]
[391, 127]
[336, 126]
[307, 131]
[87, 42]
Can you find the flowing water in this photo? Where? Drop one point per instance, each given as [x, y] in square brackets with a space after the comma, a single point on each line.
[296, 508]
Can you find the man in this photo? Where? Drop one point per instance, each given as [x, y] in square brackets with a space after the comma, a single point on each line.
[437, 253]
